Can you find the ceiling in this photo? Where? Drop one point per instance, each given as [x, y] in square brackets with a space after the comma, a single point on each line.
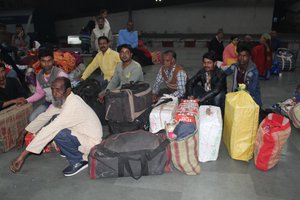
[64, 9]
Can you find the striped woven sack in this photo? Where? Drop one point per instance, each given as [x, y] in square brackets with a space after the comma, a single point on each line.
[273, 132]
[184, 154]
[294, 115]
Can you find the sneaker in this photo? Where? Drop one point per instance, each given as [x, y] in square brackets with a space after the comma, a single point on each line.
[76, 168]
[62, 155]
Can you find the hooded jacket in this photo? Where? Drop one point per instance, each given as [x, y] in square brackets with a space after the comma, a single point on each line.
[251, 80]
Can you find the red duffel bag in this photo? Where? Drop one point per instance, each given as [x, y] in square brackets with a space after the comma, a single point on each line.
[272, 134]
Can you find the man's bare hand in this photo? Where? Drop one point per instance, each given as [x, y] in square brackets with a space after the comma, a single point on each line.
[21, 101]
[17, 164]
[155, 98]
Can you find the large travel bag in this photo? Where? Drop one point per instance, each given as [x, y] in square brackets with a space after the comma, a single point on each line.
[294, 115]
[163, 114]
[273, 132]
[286, 59]
[184, 153]
[127, 103]
[210, 132]
[137, 153]
[141, 122]
[240, 125]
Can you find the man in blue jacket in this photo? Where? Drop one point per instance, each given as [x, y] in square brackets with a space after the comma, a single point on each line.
[245, 72]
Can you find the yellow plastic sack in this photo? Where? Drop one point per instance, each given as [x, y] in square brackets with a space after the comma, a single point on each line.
[240, 125]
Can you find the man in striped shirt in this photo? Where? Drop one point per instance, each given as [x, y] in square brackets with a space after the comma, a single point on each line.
[172, 75]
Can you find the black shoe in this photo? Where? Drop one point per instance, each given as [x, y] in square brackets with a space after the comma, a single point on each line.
[76, 168]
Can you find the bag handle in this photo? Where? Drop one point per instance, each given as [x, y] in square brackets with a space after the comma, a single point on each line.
[275, 124]
[144, 167]
[144, 160]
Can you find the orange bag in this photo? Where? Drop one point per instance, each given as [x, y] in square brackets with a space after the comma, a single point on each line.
[273, 132]
[51, 147]
[65, 61]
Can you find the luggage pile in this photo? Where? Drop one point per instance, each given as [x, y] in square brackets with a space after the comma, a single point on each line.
[185, 135]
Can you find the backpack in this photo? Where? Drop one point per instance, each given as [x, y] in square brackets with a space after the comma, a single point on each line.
[88, 90]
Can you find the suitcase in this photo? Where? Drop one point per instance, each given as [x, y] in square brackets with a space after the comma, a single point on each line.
[210, 132]
[13, 121]
[136, 154]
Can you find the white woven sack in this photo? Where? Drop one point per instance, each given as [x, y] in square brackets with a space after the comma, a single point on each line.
[210, 132]
[163, 114]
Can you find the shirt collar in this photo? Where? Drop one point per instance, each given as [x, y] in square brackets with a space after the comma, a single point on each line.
[107, 51]
[173, 68]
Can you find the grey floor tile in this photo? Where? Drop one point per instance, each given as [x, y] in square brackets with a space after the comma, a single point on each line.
[172, 182]
[215, 186]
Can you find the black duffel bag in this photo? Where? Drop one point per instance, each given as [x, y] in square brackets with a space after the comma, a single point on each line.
[137, 153]
[88, 90]
[127, 103]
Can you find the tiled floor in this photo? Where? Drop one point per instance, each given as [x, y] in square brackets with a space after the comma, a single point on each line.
[227, 179]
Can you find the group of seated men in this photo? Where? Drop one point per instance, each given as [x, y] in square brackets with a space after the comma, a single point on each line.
[125, 36]
[75, 134]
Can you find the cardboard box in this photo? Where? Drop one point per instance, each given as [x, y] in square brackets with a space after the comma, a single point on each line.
[13, 121]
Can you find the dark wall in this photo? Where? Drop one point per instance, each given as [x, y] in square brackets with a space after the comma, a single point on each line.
[44, 25]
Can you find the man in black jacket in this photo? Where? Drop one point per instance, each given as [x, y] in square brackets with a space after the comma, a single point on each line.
[209, 84]
[10, 89]
[216, 45]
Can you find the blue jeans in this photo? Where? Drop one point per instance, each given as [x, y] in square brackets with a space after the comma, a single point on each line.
[68, 145]
[40, 109]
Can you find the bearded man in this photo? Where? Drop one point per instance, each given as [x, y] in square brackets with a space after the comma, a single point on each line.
[74, 133]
